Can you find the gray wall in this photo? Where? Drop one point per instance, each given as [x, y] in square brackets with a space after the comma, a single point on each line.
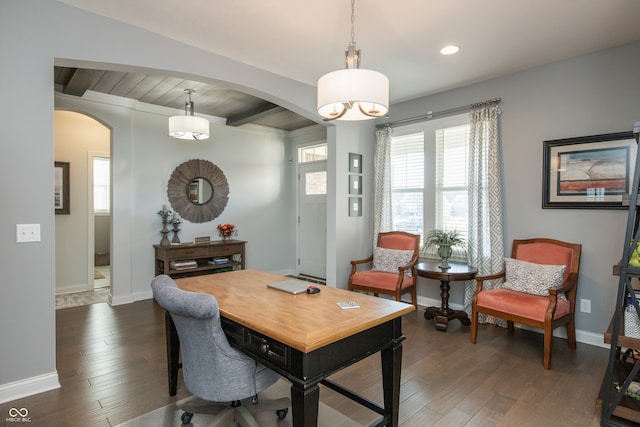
[588, 95]
[52, 33]
[596, 93]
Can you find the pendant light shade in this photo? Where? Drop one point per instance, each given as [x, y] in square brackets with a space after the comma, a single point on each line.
[353, 93]
[189, 126]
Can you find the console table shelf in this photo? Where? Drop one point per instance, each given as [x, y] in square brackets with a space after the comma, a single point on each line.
[202, 253]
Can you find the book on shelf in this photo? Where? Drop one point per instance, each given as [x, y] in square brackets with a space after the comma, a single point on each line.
[220, 260]
[183, 264]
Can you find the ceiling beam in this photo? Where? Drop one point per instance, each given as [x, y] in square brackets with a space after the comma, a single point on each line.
[79, 81]
[254, 114]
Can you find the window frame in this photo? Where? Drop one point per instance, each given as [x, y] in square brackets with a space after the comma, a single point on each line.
[430, 193]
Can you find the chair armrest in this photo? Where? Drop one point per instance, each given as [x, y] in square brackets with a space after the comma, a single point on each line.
[362, 261]
[481, 279]
[412, 263]
[356, 263]
[566, 286]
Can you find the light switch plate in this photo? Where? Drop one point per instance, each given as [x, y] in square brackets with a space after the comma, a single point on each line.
[27, 233]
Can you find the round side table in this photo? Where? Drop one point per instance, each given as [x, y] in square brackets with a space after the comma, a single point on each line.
[458, 272]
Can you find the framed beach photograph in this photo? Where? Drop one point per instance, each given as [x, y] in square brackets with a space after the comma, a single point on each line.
[589, 172]
[61, 196]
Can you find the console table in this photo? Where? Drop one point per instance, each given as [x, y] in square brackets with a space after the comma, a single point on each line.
[202, 253]
[457, 272]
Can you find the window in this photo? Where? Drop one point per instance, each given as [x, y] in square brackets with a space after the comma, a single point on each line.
[101, 180]
[315, 183]
[429, 176]
[451, 179]
[312, 153]
[407, 182]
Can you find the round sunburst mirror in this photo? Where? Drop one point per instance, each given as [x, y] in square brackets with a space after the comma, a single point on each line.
[198, 190]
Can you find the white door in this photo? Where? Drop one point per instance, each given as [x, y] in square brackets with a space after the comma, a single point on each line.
[312, 219]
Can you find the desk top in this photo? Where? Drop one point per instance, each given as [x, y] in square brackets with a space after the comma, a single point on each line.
[304, 322]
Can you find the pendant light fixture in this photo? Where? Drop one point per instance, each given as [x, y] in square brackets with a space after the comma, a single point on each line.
[353, 93]
[189, 126]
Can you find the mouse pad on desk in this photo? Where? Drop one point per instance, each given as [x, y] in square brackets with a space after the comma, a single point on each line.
[290, 286]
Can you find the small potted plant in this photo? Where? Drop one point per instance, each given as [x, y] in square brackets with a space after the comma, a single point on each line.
[444, 240]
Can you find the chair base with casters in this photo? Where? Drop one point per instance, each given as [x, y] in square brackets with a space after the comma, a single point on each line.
[545, 312]
[398, 277]
[240, 412]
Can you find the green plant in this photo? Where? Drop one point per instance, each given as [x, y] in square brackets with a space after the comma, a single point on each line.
[437, 237]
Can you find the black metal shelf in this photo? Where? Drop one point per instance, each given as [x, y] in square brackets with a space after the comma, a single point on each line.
[621, 370]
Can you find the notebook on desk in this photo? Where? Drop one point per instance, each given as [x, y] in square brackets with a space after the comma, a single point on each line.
[290, 286]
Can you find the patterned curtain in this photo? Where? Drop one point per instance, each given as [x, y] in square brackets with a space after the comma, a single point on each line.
[485, 241]
[382, 219]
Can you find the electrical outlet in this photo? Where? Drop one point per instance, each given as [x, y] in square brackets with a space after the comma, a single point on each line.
[585, 305]
[27, 233]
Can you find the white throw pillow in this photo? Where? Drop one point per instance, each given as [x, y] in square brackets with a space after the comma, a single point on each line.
[390, 259]
[532, 278]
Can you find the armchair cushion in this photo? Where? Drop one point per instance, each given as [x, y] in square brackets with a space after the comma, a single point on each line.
[532, 278]
[388, 260]
[521, 304]
[380, 280]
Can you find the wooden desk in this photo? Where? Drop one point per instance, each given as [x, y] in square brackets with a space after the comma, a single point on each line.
[304, 338]
[457, 272]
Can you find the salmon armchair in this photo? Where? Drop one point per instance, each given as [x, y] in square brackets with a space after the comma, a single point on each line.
[393, 267]
[541, 283]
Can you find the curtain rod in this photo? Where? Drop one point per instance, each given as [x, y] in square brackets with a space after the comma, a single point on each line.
[430, 115]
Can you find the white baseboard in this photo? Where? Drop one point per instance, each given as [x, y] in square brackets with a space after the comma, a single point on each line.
[584, 337]
[71, 289]
[28, 387]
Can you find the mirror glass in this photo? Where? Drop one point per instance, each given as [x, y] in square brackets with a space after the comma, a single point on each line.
[198, 191]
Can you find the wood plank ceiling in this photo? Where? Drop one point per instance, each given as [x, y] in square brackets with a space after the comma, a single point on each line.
[236, 107]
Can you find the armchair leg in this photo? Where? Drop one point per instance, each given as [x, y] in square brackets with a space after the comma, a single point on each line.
[510, 326]
[571, 334]
[548, 346]
[474, 325]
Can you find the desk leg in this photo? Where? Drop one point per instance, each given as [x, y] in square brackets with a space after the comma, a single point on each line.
[173, 353]
[304, 405]
[391, 368]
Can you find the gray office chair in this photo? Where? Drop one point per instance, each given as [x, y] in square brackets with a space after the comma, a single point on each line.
[212, 370]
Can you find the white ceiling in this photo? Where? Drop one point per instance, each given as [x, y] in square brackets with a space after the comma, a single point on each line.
[303, 39]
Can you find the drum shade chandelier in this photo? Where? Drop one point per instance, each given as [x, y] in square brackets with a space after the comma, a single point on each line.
[353, 93]
[189, 126]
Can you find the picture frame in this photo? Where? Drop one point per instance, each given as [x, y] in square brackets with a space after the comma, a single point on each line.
[61, 194]
[355, 163]
[355, 184]
[355, 206]
[588, 172]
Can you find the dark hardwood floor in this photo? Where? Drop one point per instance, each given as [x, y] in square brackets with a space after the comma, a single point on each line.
[112, 367]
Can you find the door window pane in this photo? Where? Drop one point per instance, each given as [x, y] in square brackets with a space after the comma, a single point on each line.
[316, 183]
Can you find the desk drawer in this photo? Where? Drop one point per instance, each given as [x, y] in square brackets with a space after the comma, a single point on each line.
[270, 349]
[264, 347]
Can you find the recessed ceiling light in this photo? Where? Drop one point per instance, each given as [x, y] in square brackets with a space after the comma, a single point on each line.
[450, 49]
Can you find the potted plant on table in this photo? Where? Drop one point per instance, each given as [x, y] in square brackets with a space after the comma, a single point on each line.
[444, 240]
